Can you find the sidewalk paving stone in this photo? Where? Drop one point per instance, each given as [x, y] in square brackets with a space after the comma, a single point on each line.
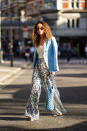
[6, 71]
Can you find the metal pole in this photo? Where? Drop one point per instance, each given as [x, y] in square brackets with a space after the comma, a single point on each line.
[0, 38]
[11, 37]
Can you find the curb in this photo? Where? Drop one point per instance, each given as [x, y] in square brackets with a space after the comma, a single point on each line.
[12, 73]
[9, 75]
[72, 62]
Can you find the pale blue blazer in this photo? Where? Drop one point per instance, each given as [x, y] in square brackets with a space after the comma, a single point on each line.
[50, 51]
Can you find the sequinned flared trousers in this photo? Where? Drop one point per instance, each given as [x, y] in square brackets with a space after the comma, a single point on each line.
[42, 79]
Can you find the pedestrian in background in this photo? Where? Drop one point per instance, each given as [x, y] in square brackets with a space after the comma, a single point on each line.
[11, 52]
[45, 66]
[27, 51]
[85, 50]
[68, 52]
[31, 53]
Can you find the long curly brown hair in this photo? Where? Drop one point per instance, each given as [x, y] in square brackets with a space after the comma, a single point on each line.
[36, 39]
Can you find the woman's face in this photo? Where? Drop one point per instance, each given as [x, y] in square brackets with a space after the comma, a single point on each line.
[40, 29]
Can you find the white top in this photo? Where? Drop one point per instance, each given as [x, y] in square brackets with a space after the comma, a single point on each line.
[40, 51]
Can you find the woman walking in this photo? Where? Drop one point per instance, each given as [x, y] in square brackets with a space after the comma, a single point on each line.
[45, 66]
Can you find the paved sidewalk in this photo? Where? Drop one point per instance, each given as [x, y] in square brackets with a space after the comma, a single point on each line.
[6, 71]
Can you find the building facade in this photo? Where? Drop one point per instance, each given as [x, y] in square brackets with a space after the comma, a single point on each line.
[12, 24]
[11, 20]
[72, 24]
[67, 19]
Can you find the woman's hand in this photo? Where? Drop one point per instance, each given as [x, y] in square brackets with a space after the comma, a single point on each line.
[52, 73]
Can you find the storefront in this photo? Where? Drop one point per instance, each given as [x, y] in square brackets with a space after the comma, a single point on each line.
[75, 44]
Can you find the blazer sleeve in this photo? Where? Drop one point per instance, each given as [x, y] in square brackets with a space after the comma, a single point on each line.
[55, 52]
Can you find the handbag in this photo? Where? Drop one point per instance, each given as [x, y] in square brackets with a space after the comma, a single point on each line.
[50, 99]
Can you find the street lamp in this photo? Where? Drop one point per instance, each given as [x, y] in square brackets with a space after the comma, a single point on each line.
[22, 20]
[22, 17]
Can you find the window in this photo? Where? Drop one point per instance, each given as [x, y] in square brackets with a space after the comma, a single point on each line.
[53, 3]
[72, 4]
[36, 7]
[73, 23]
[77, 23]
[6, 2]
[15, 1]
[49, 4]
[68, 23]
[29, 9]
[75, 3]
